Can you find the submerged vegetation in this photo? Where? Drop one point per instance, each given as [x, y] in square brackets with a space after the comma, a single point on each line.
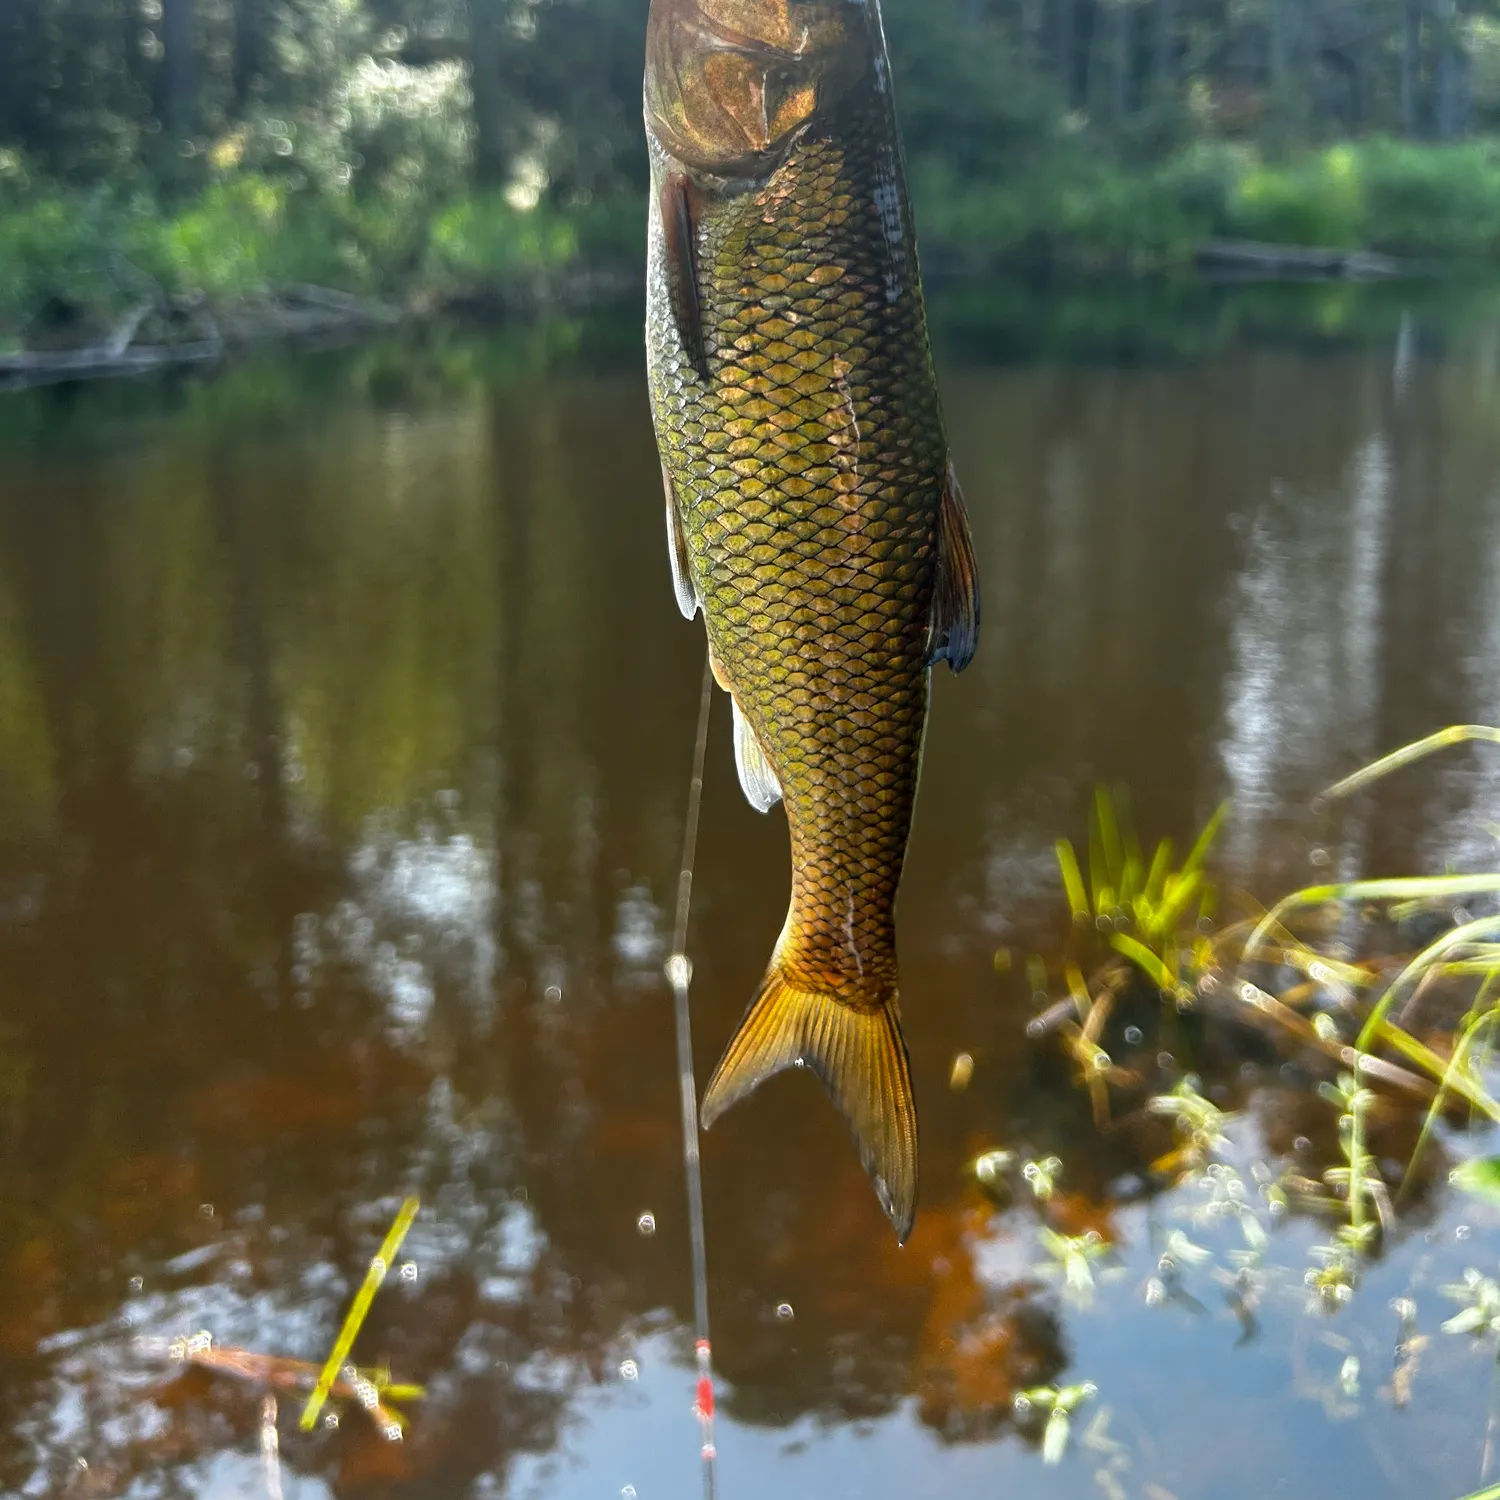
[1381, 995]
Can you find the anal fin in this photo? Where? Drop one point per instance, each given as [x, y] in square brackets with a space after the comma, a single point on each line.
[677, 553]
[953, 632]
[758, 781]
[680, 239]
[858, 1053]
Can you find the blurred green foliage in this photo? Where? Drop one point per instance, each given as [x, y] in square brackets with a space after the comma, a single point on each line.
[437, 148]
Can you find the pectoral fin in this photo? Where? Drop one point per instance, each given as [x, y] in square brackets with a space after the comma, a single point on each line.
[954, 629]
[681, 240]
[758, 781]
[677, 552]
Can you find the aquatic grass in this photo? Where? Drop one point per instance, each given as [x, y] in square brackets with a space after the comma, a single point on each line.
[355, 1319]
[1423, 888]
[1407, 755]
[1479, 1022]
[1137, 908]
[1140, 904]
[372, 1389]
[1360, 1011]
[1059, 1403]
[1465, 934]
[1072, 1258]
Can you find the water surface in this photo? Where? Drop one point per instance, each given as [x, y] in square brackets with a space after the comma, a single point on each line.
[345, 726]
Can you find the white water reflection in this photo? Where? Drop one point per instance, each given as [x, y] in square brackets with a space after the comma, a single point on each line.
[1302, 694]
[1470, 838]
[424, 911]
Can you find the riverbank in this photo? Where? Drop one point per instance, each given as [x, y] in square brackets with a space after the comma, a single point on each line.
[109, 278]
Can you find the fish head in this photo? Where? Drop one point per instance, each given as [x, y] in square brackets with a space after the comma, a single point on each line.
[730, 83]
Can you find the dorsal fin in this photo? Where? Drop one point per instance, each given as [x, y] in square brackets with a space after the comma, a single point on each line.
[680, 237]
[953, 631]
[677, 553]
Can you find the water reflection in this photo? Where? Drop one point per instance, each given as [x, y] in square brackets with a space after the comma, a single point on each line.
[344, 729]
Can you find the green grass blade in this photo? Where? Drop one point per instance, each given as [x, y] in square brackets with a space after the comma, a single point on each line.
[1455, 938]
[1109, 836]
[1419, 887]
[1455, 1070]
[1493, 1493]
[1156, 877]
[1199, 852]
[1099, 879]
[1144, 959]
[1438, 1067]
[357, 1313]
[1180, 894]
[1455, 734]
[1072, 878]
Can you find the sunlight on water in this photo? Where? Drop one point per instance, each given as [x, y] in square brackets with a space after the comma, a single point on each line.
[341, 777]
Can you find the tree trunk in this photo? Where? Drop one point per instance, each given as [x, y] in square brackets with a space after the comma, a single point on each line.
[1164, 51]
[1286, 99]
[1450, 75]
[1411, 69]
[485, 44]
[251, 22]
[177, 103]
[1064, 25]
[1123, 59]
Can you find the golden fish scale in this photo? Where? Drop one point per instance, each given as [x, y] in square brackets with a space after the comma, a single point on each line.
[809, 471]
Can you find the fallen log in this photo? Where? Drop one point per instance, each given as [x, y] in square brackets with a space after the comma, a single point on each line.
[1252, 258]
[293, 315]
[92, 363]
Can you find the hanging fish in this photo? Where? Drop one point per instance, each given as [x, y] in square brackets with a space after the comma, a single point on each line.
[812, 512]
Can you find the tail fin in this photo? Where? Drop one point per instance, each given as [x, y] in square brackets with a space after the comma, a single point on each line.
[861, 1058]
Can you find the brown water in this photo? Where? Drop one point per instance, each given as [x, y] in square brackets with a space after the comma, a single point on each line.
[345, 724]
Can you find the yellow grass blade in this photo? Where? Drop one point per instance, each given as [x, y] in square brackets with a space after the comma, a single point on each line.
[357, 1313]
[1455, 734]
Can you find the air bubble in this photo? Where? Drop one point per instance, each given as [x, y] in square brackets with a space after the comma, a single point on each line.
[393, 1432]
[409, 1270]
[331, 1420]
[1319, 857]
[554, 993]
[137, 1283]
[1133, 1035]
[785, 1313]
[1462, 1232]
[1302, 1145]
[206, 1209]
[629, 1370]
[627, 1492]
[646, 1224]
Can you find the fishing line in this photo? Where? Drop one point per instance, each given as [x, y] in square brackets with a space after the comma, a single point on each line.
[679, 971]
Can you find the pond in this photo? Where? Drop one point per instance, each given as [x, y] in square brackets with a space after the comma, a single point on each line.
[346, 723]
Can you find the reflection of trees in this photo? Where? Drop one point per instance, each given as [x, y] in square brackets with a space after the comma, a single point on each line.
[340, 776]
